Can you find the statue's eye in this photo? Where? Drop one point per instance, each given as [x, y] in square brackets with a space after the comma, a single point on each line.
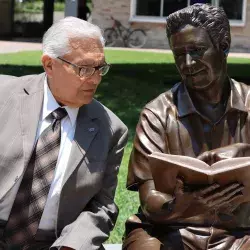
[194, 53]
[197, 52]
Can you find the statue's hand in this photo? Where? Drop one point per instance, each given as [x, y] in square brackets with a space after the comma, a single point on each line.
[152, 202]
[161, 208]
[231, 151]
[213, 197]
[155, 202]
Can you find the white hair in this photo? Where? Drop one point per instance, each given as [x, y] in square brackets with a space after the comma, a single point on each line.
[56, 40]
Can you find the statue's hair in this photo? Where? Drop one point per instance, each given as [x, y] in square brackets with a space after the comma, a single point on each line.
[56, 41]
[208, 17]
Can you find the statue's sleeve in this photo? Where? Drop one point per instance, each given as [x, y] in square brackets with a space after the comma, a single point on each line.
[150, 137]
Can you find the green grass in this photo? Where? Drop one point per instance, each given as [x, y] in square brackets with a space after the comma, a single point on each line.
[134, 79]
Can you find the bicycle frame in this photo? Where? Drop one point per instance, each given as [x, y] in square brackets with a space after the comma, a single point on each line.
[134, 38]
[117, 25]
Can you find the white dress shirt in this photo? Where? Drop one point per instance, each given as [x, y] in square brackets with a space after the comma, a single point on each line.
[68, 125]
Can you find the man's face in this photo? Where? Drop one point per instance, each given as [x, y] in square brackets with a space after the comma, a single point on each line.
[199, 62]
[66, 85]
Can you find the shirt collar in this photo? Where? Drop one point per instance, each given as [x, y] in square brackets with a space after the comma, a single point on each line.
[185, 105]
[50, 104]
[235, 100]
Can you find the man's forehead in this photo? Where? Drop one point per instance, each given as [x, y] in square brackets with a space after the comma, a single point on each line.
[88, 59]
[87, 51]
[86, 44]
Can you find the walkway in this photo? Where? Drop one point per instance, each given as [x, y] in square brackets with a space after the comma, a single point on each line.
[16, 46]
[11, 46]
[113, 246]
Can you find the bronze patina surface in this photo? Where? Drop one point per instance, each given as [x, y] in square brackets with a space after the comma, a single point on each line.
[206, 116]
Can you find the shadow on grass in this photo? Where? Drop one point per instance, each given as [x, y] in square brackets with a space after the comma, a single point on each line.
[128, 87]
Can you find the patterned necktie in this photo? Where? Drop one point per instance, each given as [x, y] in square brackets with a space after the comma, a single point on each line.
[31, 197]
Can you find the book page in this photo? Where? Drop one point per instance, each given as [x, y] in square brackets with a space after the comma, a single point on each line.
[229, 164]
[167, 168]
[181, 160]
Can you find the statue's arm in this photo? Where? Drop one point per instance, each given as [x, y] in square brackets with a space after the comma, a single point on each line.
[151, 137]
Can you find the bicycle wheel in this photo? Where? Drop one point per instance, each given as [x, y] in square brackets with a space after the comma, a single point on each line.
[137, 39]
[110, 36]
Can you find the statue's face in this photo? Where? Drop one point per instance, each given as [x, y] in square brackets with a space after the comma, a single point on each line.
[199, 62]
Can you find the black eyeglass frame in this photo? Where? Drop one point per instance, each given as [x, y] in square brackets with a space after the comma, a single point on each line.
[85, 66]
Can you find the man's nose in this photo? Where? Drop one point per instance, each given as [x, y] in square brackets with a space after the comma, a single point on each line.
[189, 60]
[96, 78]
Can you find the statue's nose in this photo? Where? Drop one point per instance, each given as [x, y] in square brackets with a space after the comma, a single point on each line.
[188, 60]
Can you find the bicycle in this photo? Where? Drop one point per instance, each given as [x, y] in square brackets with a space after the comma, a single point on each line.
[131, 38]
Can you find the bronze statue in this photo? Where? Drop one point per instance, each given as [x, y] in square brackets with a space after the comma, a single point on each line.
[205, 116]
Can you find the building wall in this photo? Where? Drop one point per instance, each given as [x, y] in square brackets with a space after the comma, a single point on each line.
[120, 9]
[5, 17]
[103, 9]
[241, 35]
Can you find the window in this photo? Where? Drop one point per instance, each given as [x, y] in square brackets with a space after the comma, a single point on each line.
[148, 8]
[158, 10]
[233, 8]
[170, 6]
[162, 7]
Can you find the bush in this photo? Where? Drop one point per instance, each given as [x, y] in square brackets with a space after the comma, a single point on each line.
[36, 7]
[29, 7]
[59, 6]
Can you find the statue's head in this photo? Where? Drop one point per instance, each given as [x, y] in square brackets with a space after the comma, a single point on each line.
[200, 39]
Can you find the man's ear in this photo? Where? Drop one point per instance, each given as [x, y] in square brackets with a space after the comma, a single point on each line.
[47, 65]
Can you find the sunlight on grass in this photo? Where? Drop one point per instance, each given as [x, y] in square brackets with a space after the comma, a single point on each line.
[22, 58]
[112, 56]
[131, 57]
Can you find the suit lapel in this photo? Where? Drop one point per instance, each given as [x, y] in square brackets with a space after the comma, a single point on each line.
[86, 130]
[31, 106]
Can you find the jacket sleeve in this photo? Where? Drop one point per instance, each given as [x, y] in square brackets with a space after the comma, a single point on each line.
[92, 227]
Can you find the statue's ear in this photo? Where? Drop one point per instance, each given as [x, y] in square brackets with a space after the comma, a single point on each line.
[226, 51]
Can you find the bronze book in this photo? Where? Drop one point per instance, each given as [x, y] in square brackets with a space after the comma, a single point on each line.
[166, 168]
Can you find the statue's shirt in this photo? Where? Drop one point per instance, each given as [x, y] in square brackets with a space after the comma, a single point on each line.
[171, 124]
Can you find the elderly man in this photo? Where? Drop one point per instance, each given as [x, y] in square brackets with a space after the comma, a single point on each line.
[60, 149]
[206, 116]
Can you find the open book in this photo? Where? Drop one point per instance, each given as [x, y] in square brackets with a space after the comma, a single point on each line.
[166, 168]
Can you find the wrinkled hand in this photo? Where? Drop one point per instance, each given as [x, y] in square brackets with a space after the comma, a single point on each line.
[231, 151]
[213, 197]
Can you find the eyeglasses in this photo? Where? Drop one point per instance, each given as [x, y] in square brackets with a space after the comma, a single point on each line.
[86, 71]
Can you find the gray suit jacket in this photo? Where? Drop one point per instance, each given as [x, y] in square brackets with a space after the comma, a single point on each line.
[87, 212]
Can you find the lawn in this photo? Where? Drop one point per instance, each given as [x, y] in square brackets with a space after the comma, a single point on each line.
[134, 79]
